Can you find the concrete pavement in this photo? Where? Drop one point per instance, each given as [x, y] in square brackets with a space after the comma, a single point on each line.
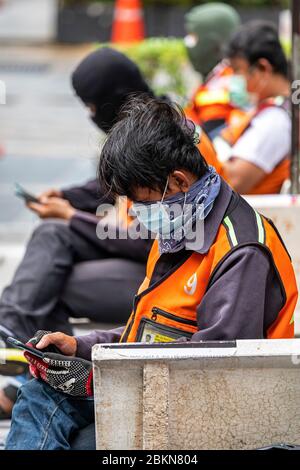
[41, 116]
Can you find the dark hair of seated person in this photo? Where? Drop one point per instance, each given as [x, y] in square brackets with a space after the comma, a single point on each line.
[152, 139]
[259, 40]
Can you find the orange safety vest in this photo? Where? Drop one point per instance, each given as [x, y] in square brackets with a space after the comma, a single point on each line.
[167, 310]
[272, 182]
[208, 151]
[212, 100]
[123, 206]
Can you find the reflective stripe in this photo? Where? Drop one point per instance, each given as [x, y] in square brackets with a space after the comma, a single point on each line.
[13, 355]
[211, 97]
[231, 231]
[261, 230]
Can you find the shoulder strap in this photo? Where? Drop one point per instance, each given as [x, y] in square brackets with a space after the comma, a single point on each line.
[233, 132]
[243, 224]
[281, 102]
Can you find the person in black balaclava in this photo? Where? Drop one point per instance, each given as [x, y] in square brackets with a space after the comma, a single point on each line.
[67, 271]
[103, 81]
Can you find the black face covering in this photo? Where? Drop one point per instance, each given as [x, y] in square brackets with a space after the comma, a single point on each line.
[105, 79]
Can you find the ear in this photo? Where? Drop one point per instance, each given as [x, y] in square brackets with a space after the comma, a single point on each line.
[264, 66]
[180, 181]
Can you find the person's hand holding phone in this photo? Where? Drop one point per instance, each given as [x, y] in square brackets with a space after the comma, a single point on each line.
[50, 193]
[48, 204]
[52, 207]
[60, 369]
[66, 344]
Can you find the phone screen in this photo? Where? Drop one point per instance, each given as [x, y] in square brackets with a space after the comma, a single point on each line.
[19, 345]
[21, 192]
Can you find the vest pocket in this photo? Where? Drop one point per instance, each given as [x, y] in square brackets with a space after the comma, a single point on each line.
[149, 331]
[158, 311]
[157, 328]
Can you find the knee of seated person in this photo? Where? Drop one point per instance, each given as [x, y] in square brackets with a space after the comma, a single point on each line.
[35, 387]
[36, 393]
[51, 227]
[30, 389]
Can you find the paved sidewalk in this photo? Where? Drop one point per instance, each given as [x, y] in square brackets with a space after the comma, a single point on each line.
[41, 116]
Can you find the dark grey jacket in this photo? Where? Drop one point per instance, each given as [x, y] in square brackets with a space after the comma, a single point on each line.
[86, 197]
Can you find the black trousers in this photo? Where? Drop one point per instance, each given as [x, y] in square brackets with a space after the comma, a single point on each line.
[63, 275]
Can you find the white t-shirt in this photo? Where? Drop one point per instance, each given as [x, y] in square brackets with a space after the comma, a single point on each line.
[267, 141]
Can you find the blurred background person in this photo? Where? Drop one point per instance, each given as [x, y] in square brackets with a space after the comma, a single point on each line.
[220, 97]
[256, 150]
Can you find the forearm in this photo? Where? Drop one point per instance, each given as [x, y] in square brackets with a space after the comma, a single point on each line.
[241, 175]
[86, 197]
[85, 343]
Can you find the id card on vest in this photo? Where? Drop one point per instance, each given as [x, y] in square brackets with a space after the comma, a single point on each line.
[151, 332]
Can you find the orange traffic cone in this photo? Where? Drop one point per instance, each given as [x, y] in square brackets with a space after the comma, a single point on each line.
[128, 23]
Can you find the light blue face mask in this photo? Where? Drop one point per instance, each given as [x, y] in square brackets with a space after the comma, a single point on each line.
[174, 218]
[156, 217]
[238, 93]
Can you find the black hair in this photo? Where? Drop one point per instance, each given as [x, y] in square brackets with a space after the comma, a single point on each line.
[256, 40]
[151, 140]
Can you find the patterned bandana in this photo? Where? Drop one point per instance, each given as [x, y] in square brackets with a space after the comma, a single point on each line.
[199, 200]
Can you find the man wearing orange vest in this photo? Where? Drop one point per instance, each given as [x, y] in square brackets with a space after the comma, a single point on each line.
[256, 149]
[209, 27]
[234, 282]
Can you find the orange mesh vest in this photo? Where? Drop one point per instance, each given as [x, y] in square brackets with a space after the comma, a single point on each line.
[167, 310]
[211, 100]
[123, 205]
[273, 181]
[208, 151]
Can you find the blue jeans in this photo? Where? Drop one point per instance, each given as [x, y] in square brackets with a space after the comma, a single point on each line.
[44, 419]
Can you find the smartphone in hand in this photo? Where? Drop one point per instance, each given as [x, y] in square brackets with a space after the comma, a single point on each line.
[22, 193]
[19, 345]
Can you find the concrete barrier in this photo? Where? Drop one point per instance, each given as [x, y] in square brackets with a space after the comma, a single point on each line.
[222, 395]
[284, 210]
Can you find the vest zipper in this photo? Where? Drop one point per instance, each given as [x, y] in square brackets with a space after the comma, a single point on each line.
[157, 311]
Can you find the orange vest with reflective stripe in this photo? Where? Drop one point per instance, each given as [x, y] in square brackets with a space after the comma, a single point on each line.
[167, 309]
[211, 100]
[272, 182]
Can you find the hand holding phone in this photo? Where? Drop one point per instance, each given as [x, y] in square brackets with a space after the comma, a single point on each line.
[22, 193]
[70, 375]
